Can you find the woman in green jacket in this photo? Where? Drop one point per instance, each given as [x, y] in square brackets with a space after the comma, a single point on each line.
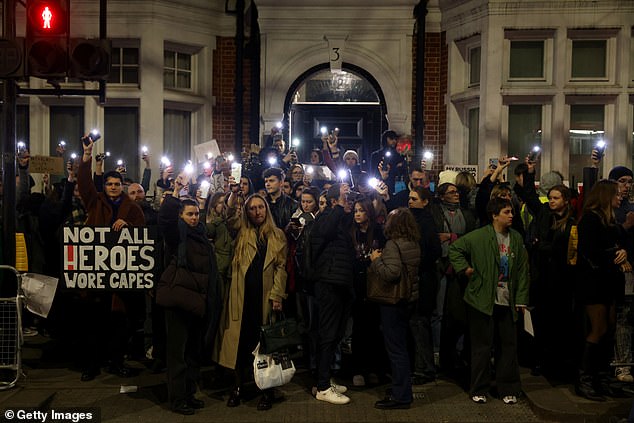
[494, 260]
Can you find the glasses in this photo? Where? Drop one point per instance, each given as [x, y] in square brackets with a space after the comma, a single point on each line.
[624, 181]
[113, 184]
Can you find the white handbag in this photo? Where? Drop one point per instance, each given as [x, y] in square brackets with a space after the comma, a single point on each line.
[272, 370]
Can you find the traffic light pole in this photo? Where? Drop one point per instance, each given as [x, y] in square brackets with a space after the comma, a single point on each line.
[8, 148]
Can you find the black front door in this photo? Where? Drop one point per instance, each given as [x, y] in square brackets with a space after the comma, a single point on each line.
[360, 127]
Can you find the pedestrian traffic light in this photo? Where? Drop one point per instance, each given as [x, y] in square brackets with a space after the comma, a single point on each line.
[89, 58]
[47, 38]
[11, 58]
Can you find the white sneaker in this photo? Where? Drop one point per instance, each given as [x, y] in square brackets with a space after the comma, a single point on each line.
[510, 399]
[480, 399]
[358, 380]
[332, 396]
[623, 375]
[339, 388]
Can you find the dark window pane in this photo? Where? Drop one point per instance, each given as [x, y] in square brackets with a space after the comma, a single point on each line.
[115, 56]
[130, 75]
[589, 58]
[130, 56]
[184, 80]
[177, 136]
[114, 76]
[66, 124]
[168, 78]
[474, 66]
[121, 138]
[184, 61]
[527, 59]
[170, 61]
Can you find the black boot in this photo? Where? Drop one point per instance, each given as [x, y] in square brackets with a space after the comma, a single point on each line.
[585, 388]
[587, 375]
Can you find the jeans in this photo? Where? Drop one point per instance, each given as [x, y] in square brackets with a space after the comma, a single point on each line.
[395, 324]
[420, 325]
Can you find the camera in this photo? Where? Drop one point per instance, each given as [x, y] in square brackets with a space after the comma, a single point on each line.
[493, 163]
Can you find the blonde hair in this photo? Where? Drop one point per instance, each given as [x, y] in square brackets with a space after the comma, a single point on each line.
[250, 234]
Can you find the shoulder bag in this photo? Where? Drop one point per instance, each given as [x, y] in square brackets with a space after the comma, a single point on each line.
[380, 291]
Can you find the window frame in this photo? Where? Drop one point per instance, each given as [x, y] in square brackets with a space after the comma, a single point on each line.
[177, 49]
[465, 47]
[606, 34]
[121, 44]
[547, 36]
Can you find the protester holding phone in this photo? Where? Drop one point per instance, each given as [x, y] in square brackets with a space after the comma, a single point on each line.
[387, 163]
[115, 209]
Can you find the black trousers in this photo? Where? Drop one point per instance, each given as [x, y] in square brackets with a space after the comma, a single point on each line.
[184, 348]
[335, 304]
[488, 332]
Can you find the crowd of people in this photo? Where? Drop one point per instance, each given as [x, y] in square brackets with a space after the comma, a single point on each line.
[306, 239]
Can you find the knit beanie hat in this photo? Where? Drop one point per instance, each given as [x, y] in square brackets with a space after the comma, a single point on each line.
[549, 180]
[447, 176]
[619, 171]
[351, 153]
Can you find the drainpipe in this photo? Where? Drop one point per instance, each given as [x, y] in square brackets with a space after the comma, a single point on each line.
[255, 50]
[420, 11]
[239, 86]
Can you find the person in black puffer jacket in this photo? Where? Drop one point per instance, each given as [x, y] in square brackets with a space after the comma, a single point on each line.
[191, 298]
[333, 250]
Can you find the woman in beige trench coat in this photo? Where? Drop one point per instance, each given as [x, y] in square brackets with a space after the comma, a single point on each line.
[258, 284]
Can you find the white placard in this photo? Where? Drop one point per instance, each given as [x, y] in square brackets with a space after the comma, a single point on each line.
[472, 169]
[201, 150]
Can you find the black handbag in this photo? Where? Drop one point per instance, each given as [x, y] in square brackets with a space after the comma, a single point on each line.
[279, 335]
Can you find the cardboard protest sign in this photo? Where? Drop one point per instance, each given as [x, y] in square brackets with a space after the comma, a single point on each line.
[100, 258]
[46, 164]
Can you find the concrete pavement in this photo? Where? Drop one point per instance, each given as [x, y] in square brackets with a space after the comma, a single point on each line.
[50, 385]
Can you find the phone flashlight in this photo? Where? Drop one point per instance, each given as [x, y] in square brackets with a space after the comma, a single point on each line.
[310, 170]
[342, 174]
[272, 161]
[230, 157]
[189, 168]
[144, 149]
[532, 156]
[279, 125]
[62, 144]
[324, 130]
[119, 162]
[428, 155]
[373, 182]
[600, 147]
[165, 161]
[73, 156]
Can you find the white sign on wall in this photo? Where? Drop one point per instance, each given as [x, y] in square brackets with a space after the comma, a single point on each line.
[472, 169]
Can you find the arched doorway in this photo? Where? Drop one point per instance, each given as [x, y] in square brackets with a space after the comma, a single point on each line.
[351, 101]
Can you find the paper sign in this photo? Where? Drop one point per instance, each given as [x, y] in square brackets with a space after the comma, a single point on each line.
[46, 164]
[528, 322]
[472, 169]
[201, 150]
